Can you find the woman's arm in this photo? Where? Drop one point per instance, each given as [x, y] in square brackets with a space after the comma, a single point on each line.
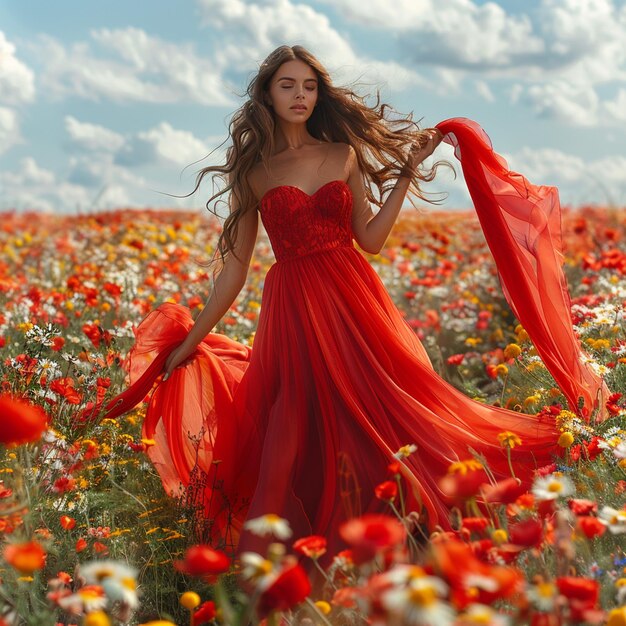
[371, 231]
[228, 284]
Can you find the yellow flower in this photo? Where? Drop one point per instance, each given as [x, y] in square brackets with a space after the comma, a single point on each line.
[499, 536]
[512, 351]
[522, 335]
[323, 607]
[508, 439]
[473, 341]
[97, 618]
[502, 369]
[190, 600]
[462, 467]
[617, 617]
[566, 439]
[531, 400]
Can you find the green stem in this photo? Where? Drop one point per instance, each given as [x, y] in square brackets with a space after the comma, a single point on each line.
[402, 506]
[508, 458]
[318, 612]
[410, 535]
[324, 574]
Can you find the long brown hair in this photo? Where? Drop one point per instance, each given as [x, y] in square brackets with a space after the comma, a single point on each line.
[340, 115]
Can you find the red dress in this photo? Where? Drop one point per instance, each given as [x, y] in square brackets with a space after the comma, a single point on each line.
[304, 424]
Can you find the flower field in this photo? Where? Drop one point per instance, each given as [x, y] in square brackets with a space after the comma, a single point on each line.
[88, 537]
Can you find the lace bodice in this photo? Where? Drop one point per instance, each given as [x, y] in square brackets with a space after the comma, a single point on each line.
[298, 224]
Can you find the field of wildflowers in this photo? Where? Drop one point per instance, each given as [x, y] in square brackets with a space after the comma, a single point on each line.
[88, 536]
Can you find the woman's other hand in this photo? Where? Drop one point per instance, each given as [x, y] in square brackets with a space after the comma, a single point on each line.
[419, 152]
[178, 357]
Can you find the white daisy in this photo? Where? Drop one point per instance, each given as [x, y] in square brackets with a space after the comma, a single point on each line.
[269, 524]
[552, 487]
[620, 450]
[84, 600]
[483, 615]
[543, 596]
[614, 519]
[419, 602]
[118, 580]
[257, 569]
[405, 451]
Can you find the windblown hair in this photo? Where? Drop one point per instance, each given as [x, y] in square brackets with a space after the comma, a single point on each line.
[381, 144]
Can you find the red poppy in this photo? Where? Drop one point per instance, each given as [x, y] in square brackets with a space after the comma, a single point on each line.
[394, 468]
[504, 491]
[57, 344]
[579, 506]
[65, 388]
[463, 484]
[313, 546]
[454, 561]
[203, 560]
[591, 526]
[475, 524]
[81, 544]
[387, 490]
[205, 613]
[291, 587]
[582, 594]
[370, 534]
[20, 421]
[25, 557]
[64, 484]
[527, 533]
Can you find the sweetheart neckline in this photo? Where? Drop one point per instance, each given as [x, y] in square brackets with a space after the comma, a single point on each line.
[309, 195]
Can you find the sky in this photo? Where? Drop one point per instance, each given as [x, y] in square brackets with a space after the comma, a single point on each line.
[117, 104]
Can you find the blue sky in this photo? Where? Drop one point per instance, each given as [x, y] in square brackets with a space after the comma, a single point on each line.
[104, 104]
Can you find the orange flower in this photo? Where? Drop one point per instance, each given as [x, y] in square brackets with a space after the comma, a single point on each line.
[25, 557]
[81, 544]
[20, 421]
[67, 522]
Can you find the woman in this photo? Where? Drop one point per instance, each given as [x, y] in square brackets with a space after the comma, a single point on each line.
[305, 423]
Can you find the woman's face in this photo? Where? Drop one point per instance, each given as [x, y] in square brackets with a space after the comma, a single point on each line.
[293, 91]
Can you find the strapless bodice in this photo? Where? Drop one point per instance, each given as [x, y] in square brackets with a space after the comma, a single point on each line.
[299, 224]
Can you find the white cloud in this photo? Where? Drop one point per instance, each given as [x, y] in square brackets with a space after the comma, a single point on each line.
[92, 136]
[163, 144]
[32, 188]
[251, 30]
[9, 129]
[151, 70]
[559, 52]
[483, 90]
[616, 109]
[566, 102]
[452, 33]
[17, 81]
[578, 180]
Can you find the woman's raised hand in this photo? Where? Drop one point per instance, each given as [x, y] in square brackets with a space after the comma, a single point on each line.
[419, 152]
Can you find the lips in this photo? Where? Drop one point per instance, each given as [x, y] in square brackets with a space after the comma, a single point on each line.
[299, 107]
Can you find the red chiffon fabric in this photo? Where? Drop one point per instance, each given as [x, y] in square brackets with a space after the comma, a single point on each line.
[304, 424]
[522, 226]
